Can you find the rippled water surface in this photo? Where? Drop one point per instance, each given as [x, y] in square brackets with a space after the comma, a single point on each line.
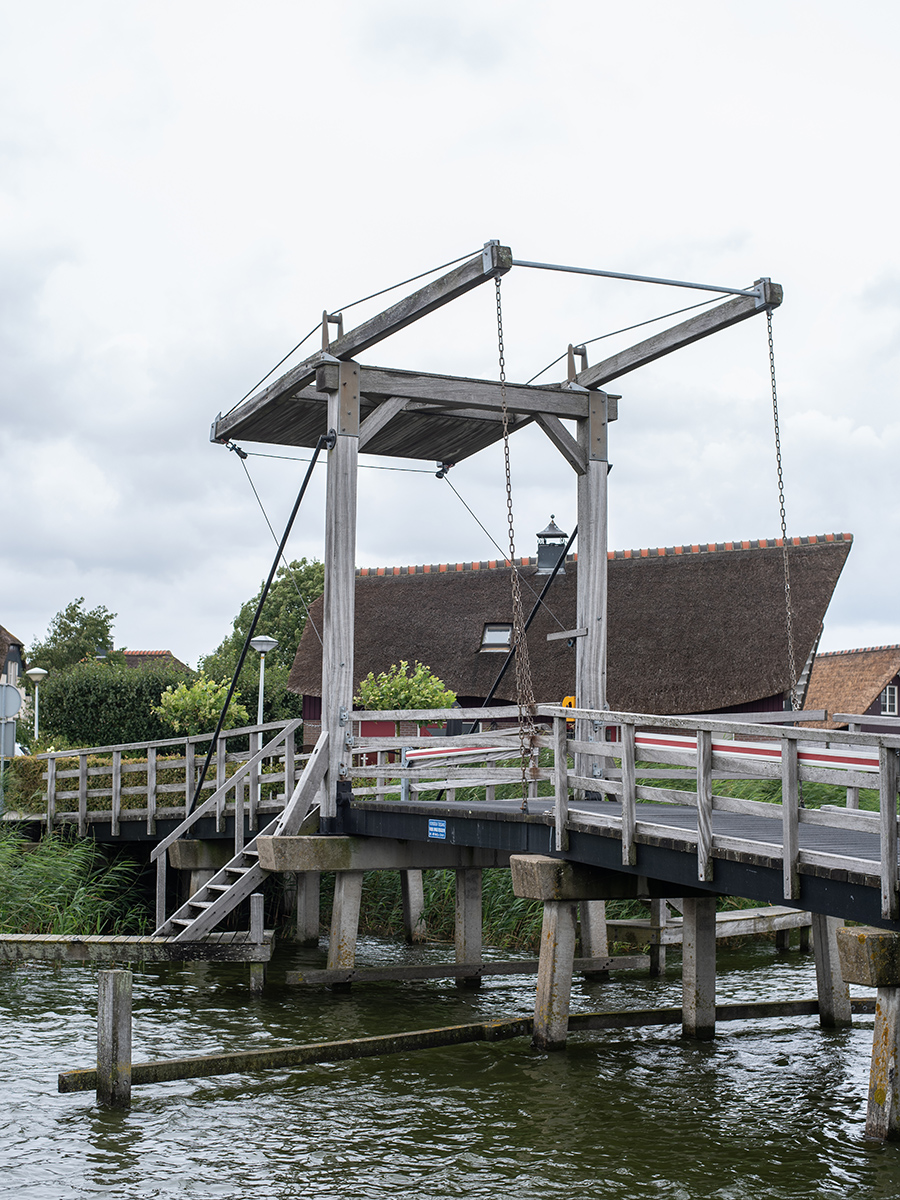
[771, 1109]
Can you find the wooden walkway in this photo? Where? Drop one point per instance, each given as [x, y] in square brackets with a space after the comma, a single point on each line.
[52, 947]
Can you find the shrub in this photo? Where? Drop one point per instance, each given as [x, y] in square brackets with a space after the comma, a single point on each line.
[195, 708]
[401, 688]
[103, 704]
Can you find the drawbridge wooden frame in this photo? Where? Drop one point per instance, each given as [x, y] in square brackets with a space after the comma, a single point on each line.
[446, 418]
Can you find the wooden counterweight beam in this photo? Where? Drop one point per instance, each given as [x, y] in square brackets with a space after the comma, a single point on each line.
[692, 330]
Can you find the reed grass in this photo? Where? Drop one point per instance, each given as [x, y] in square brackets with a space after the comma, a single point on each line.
[59, 885]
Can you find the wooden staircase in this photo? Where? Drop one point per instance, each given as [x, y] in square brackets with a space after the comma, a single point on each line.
[243, 875]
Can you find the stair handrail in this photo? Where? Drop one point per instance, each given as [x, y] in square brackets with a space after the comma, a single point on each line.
[240, 774]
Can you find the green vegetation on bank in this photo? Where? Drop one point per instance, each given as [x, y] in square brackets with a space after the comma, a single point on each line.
[60, 885]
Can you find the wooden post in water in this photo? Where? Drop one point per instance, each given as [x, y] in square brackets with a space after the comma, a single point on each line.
[698, 969]
[468, 924]
[257, 936]
[114, 1039]
[307, 908]
[554, 982]
[594, 937]
[412, 893]
[871, 957]
[834, 994]
[344, 921]
[659, 915]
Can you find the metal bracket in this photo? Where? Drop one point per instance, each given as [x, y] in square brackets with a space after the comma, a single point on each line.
[597, 424]
[760, 288]
[343, 715]
[487, 255]
[349, 740]
[331, 319]
[348, 399]
[581, 351]
[330, 439]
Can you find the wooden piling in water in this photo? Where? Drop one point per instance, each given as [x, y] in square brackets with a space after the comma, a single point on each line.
[554, 982]
[833, 989]
[468, 926]
[698, 969]
[114, 1039]
[344, 921]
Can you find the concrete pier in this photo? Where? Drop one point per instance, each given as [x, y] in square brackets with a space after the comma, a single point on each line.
[307, 924]
[412, 895]
[468, 928]
[871, 957]
[345, 920]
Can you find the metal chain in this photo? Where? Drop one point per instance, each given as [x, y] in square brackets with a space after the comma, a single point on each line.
[524, 686]
[789, 619]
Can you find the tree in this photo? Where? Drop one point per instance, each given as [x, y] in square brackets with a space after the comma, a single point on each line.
[283, 617]
[194, 708]
[400, 688]
[102, 704]
[73, 635]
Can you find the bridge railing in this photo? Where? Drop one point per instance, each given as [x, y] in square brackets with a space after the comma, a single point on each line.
[148, 780]
[702, 746]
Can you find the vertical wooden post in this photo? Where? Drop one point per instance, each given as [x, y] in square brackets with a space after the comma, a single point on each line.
[594, 935]
[659, 916]
[554, 985]
[116, 803]
[161, 889]
[51, 793]
[151, 789]
[290, 764]
[307, 908]
[834, 994]
[344, 920]
[790, 818]
[888, 778]
[190, 781]
[560, 782]
[883, 1111]
[257, 937]
[255, 746]
[238, 817]
[220, 779]
[82, 794]
[698, 969]
[412, 894]
[340, 579]
[853, 792]
[629, 794]
[114, 1039]
[468, 924]
[590, 651]
[704, 805]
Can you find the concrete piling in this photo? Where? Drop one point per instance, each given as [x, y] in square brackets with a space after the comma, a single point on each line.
[554, 983]
[834, 993]
[698, 969]
[412, 895]
[468, 925]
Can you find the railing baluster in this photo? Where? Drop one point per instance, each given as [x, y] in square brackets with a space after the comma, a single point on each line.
[161, 889]
[560, 782]
[290, 766]
[853, 792]
[790, 818]
[255, 744]
[220, 779]
[629, 815]
[189, 781]
[239, 814]
[888, 777]
[116, 804]
[51, 793]
[82, 794]
[704, 806]
[151, 790]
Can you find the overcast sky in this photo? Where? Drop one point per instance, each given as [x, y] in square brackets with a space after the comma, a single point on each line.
[185, 186]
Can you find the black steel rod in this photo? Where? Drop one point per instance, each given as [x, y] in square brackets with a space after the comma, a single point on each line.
[323, 441]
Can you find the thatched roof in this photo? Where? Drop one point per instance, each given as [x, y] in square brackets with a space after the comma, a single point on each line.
[153, 658]
[7, 639]
[850, 681]
[691, 628]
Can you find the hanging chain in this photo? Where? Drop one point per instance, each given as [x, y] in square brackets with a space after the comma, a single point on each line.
[524, 686]
[789, 618]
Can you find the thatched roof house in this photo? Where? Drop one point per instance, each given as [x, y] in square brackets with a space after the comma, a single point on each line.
[691, 628]
[857, 681]
[12, 660]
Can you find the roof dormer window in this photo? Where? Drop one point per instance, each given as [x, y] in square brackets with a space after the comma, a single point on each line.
[889, 701]
[496, 637]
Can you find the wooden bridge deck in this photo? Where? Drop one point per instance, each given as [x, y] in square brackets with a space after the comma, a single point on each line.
[747, 850]
[217, 947]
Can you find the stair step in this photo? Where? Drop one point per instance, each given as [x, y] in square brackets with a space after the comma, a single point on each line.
[180, 921]
[238, 870]
[218, 887]
[201, 904]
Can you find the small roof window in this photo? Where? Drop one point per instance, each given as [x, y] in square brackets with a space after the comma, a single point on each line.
[496, 637]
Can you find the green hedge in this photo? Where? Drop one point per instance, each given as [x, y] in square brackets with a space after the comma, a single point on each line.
[102, 704]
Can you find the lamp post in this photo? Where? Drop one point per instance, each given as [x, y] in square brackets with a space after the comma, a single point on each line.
[37, 675]
[263, 644]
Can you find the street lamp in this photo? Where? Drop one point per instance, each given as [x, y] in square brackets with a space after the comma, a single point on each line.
[262, 644]
[37, 675]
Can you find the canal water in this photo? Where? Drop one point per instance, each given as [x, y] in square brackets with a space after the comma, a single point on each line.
[770, 1109]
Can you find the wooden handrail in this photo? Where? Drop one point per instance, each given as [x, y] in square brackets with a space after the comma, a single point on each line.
[223, 788]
